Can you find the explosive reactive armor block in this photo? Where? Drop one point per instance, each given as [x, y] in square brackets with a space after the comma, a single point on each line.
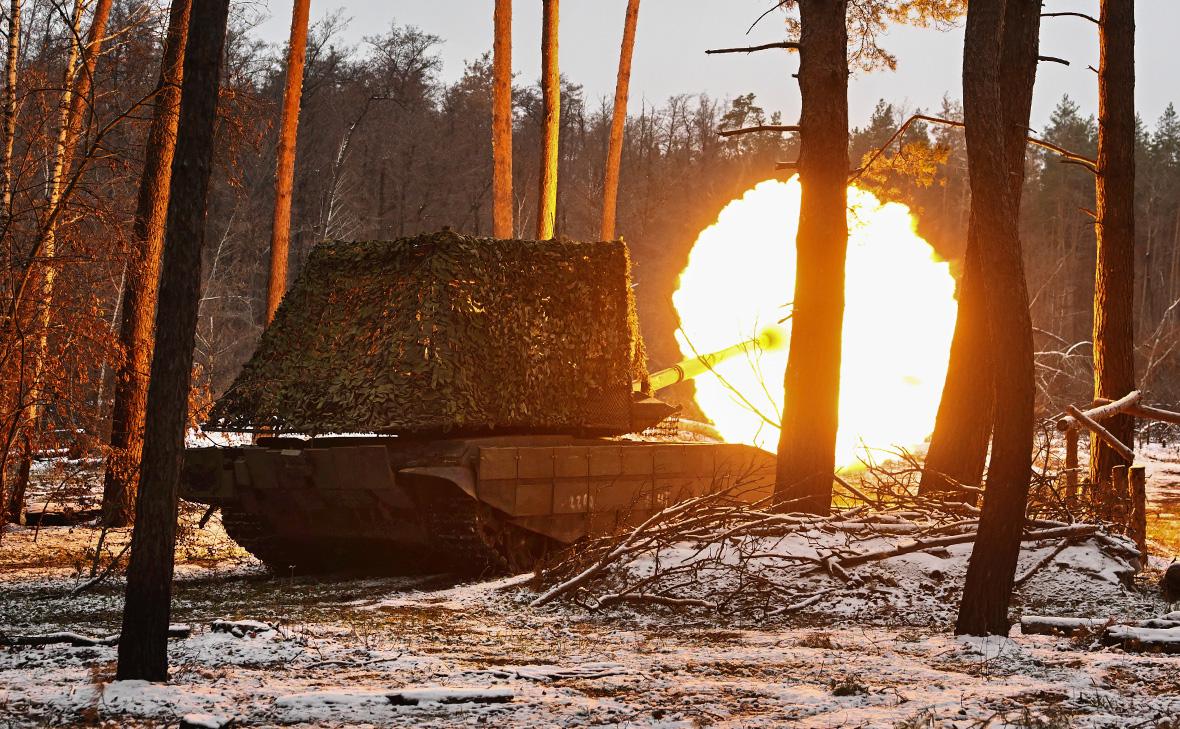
[445, 333]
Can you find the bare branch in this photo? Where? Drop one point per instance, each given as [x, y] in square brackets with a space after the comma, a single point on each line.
[789, 45]
[1053, 59]
[780, 128]
[1083, 16]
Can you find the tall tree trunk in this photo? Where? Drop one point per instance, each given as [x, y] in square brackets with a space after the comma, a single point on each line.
[963, 427]
[1000, 47]
[136, 333]
[614, 153]
[551, 96]
[502, 122]
[280, 236]
[1114, 280]
[9, 141]
[807, 444]
[143, 647]
[81, 101]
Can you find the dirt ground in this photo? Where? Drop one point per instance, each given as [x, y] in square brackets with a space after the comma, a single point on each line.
[427, 651]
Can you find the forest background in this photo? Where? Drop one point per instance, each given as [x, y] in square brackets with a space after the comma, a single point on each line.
[388, 147]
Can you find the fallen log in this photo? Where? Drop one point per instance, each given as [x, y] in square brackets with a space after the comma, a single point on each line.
[1051, 625]
[78, 640]
[1141, 639]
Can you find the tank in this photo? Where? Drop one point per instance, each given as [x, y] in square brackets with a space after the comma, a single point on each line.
[406, 417]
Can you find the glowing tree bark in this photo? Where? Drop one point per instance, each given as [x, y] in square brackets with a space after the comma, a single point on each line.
[963, 427]
[143, 647]
[280, 236]
[1114, 280]
[1000, 41]
[502, 122]
[614, 153]
[551, 97]
[143, 274]
[807, 445]
[81, 100]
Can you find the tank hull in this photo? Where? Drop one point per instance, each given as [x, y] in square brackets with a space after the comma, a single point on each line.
[475, 505]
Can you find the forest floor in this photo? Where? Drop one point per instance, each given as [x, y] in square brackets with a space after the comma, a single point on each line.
[428, 651]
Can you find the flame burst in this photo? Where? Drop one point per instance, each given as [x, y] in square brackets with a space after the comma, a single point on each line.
[899, 317]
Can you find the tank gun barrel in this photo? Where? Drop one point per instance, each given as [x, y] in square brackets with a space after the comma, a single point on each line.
[687, 369]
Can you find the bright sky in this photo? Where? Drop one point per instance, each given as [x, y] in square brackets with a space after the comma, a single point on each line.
[673, 34]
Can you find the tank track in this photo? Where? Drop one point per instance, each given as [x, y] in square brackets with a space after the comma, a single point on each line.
[465, 537]
[477, 538]
[251, 534]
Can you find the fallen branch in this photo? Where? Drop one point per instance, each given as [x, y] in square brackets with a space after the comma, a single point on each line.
[102, 575]
[78, 640]
[1041, 563]
[1078, 530]
[1121, 448]
[1104, 409]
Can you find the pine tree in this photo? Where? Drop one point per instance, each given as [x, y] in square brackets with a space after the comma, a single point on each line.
[143, 647]
[136, 332]
[807, 444]
[280, 236]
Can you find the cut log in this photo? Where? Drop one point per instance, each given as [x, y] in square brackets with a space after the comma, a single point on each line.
[1137, 524]
[1071, 463]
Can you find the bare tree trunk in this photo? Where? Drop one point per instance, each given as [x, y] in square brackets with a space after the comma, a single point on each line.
[143, 274]
[280, 237]
[807, 444]
[614, 154]
[502, 122]
[143, 647]
[551, 96]
[9, 141]
[80, 100]
[963, 427]
[1000, 47]
[1114, 280]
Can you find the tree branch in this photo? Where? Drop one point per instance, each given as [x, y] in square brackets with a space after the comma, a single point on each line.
[1065, 154]
[1053, 59]
[1083, 16]
[760, 128]
[789, 45]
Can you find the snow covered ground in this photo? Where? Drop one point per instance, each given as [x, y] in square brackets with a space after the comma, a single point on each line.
[428, 652]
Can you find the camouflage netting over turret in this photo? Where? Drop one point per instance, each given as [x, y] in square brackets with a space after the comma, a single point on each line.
[446, 333]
